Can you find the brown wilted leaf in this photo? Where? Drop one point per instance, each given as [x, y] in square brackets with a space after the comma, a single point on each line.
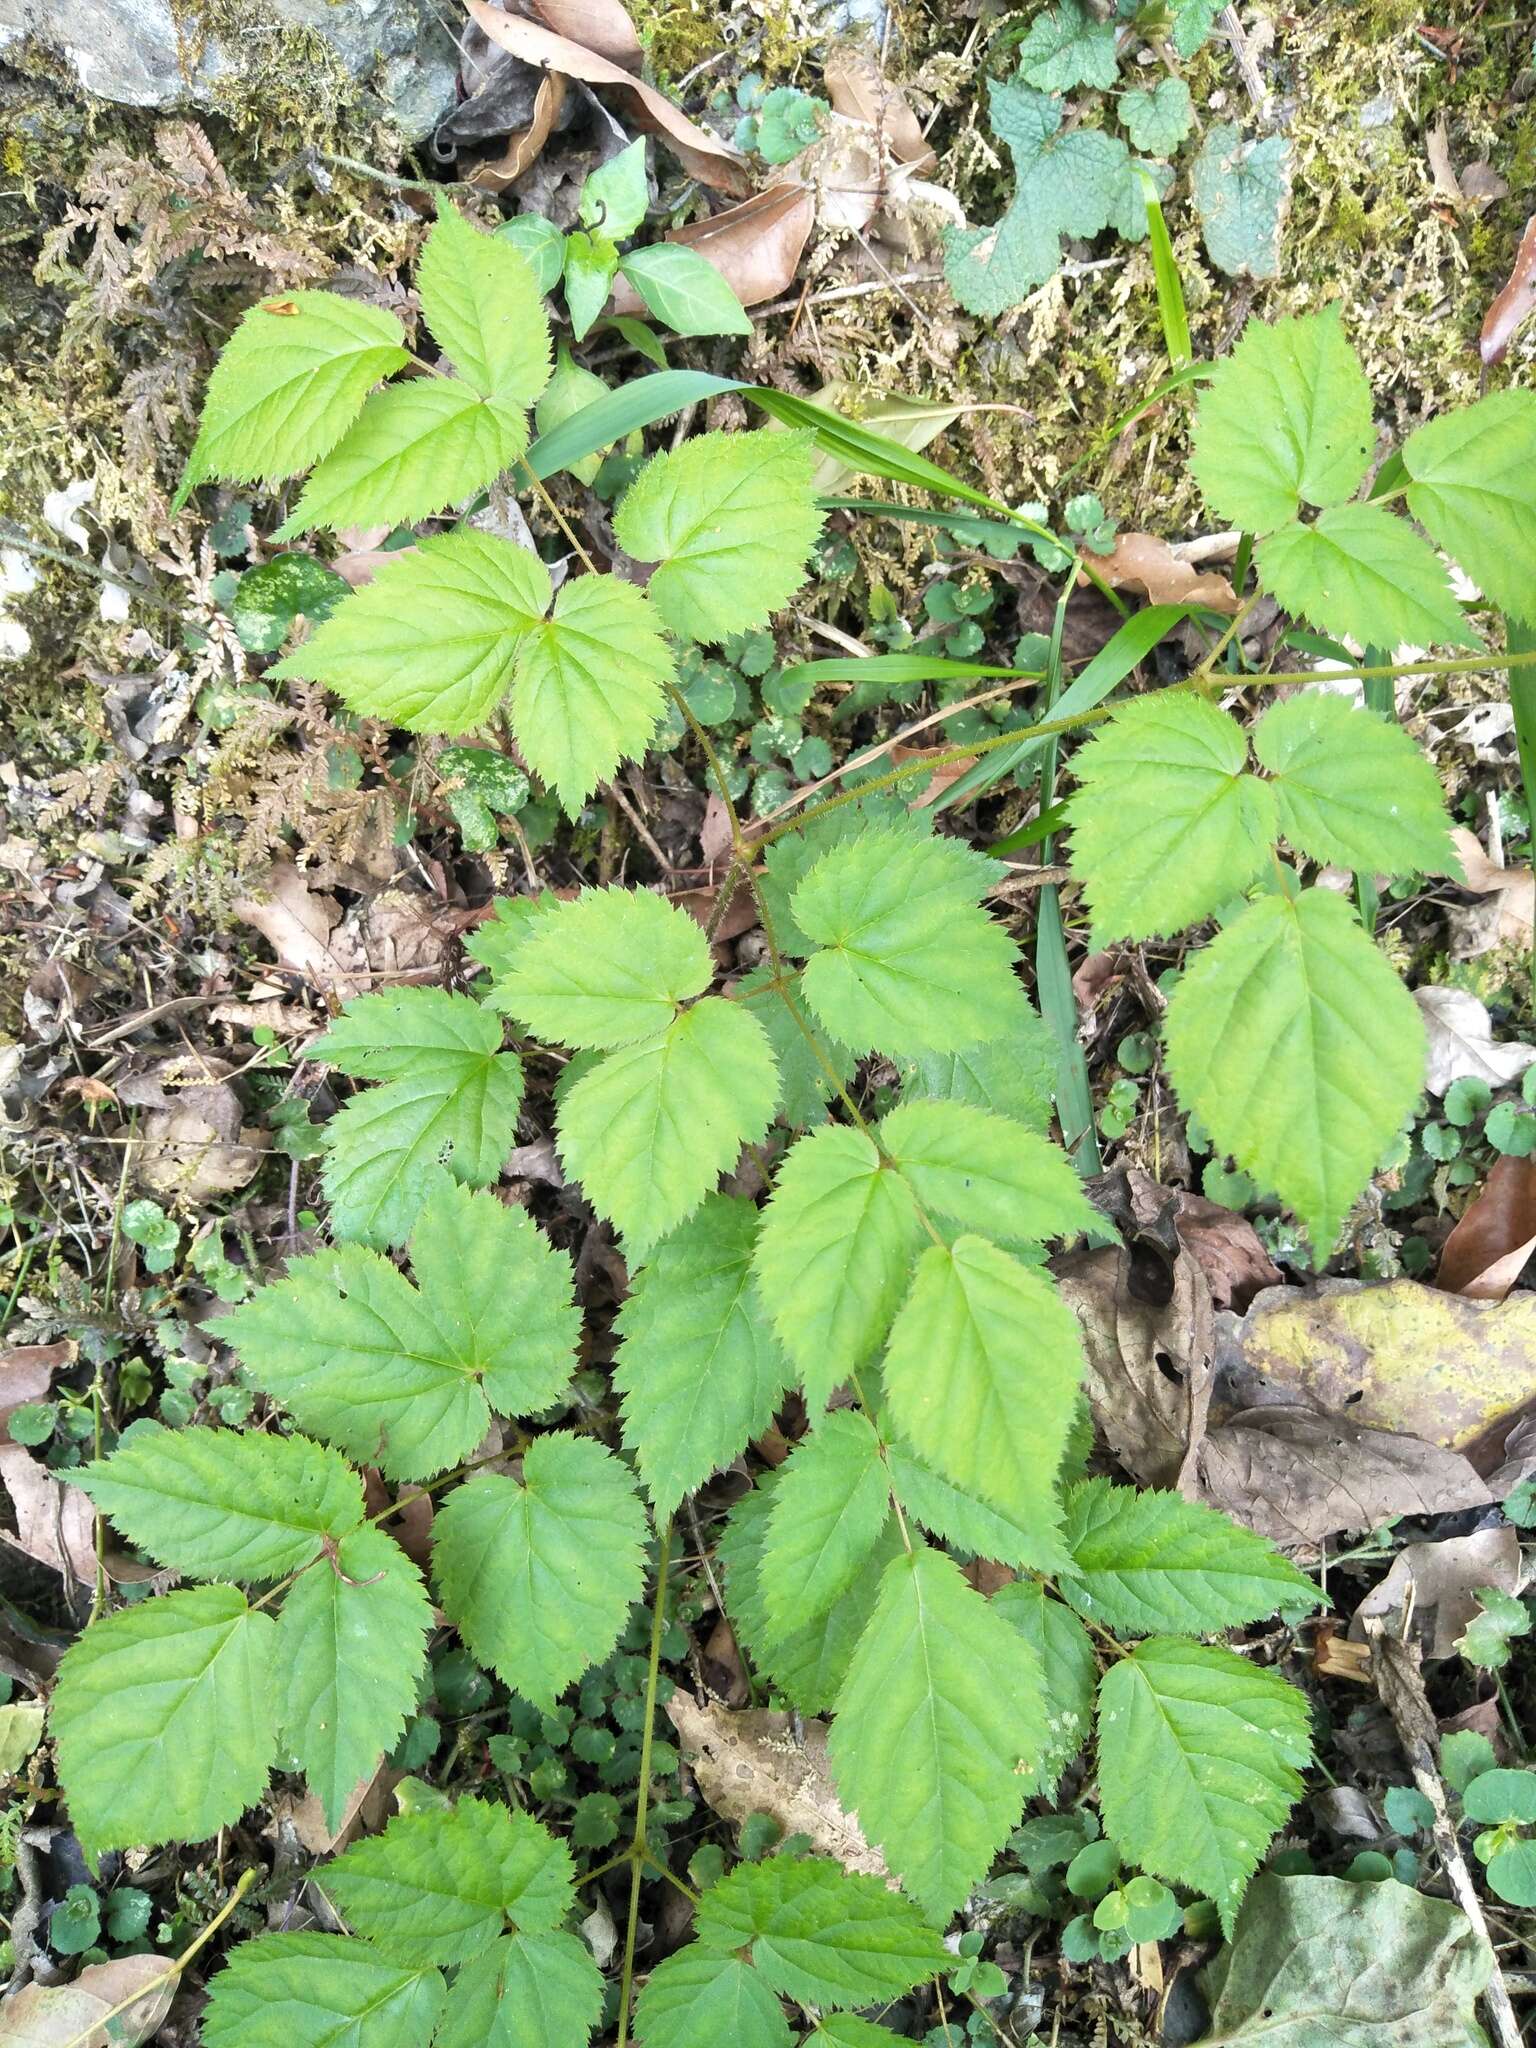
[1460, 1042]
[74, 2015]
[600, 25]
[858, 89]
[55, 1524]
[756, 247]
[1434, 1587]
[1149, 566]
[1507, 913]
[1487, 1251]
[26, 1375]
[192, 1145]
[1223, 1244]
[1514, 303]
[525, 146]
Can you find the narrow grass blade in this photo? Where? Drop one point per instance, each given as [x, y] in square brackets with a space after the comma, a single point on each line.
[1170, 289]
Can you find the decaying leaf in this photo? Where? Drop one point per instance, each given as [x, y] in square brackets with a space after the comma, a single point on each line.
[600, 25]
[1506, 913]
[525, 145]
[27, 1374]
[1514, 303]
[55, 1524]
[74, 2015]
[1461, 1045]
[1159, 1224]
[756, 246]
[1434, 1587]
[858, 89]
[394, 935]
[1149, 566]
[1487, 1251]
[192, 1144]
[21, 1730]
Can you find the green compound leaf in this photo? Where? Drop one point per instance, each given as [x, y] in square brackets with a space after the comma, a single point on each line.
[319, 1991]
[982, 1374]
[1067, 46]
[805, 1086]
[591, 686]
[941, 1705]
[1065, 184]
[848, 2030]
[405, 1377]
[288, 384]
[539, 1576]
[1158, 121]
[165, 1719]
[829, 1507]
[699, 1366]
[731, 520]
[1361, 571]
[218, 1505]
[605, 969]
[438, 1887]
[415, 448]
[1352, 789]
[1199, 1761]
[1014, 1076]
[1150, 1563]
[697, 1999]
[650, 1128]
[965, 1523]
[1166, 824]
[834, 1255]
[483, 308]
[351, 1649]
[1242, 191]
[430, 643]
[1300, 1050]
[528, 1991]
[985, 1172]
[1069, 1670]
[451, 1098]
[819, 1934]
[789, 860]
[912, 963]
[684, 290]
[1286, 418]
[1470, 485]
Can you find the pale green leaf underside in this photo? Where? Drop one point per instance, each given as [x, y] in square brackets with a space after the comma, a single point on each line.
[829, 1507]
[484, 310]
[1352, 789]
[590, 687]
[605, 969]
[318, 1991]
[697, 1999]
[1471, 487]
[528, 1991]
[820, 1934]
[1069, 1670]
[1359, 570]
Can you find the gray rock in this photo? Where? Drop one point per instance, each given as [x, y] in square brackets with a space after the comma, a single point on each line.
[165, 55]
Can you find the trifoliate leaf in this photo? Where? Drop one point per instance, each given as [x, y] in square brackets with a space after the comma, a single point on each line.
[218, 1505]
[1470, 485]
[1199, 1760]
[805, 1085]
[165, 1719]
[527, 1991]
[318, 1991]
[1154, 1563]
[981, 1376]
[1065, 184]
[539, 1575]
[1067, 46]
[1158, 121]
[1300, 1050]
[834, 1255]
[955, 1515]
[1166, 824]
[439, 1886]
[818, 1933]
[985, 1172]
[649, 1129]
[1242, 191]
[451, 1098]
[1015, 1076]
[590, 687]
[605, 969]
[941, 1705]
[730, 519]
[829, 1506]
[288, 384]
[1069, 1674]
[700, 1368]
[1359, 570]
[484, 309]
[405, 1377]
[415, 449]
[684, 290]
[1285, 419]
[1352, 789]
[351, 1648]
[912, 963]
[697, 1999]
[430, 643]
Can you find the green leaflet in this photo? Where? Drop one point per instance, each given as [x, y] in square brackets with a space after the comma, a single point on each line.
[912, 963]
[1352, 789]
[165, 1719]
[1153, 1563]
[834, 1255]
[967, 1524]
[981, 1375]
[405, 1377]
[730, 520]
[1360, 571]
[569, 391]
[451, 1098]
[697, 1999]
[605, 969]
[805, 1086]
[1157, 121]
[351, 1648]
[214, 1504]
[789, 860]
[430, 643]
[941, 1705]
[539, 1575]
[829, 1506]
[985, 1172]
[819, 1934]
[1301, 1051]
[319, 1991]
[684, 290]
[528, 1991]
[1066, 47]
[650, 1128]
[1285, 419]
[288, 383]
[484, 310]
[699, 1366]
[1241, 186]
[590, 686]
[1199, 1761]
[1069, 1674]
[1470, 485]
[438, 1887]
[1166, 824]
[1015, 1076]
[848, 2030]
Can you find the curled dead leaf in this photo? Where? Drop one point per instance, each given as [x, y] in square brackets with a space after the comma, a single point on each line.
[1507, 914]
[1487, 1251]
[859, 90]
[1514, 303]
[55, 1524]
[756, 246]
[525, 146]
[1460, 1042]
[1149, 566]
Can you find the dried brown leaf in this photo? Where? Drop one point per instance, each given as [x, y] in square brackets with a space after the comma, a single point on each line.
[1149, 566]
[74, 2015]
[1514, 303]
[55, 1524]
[1507, 914]
[27, 1373]
[524, 147]
[756, 246]
[1460, 1042]
[600, 25]
[859, 90]
[1487, 1251]
[1434, 1587]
